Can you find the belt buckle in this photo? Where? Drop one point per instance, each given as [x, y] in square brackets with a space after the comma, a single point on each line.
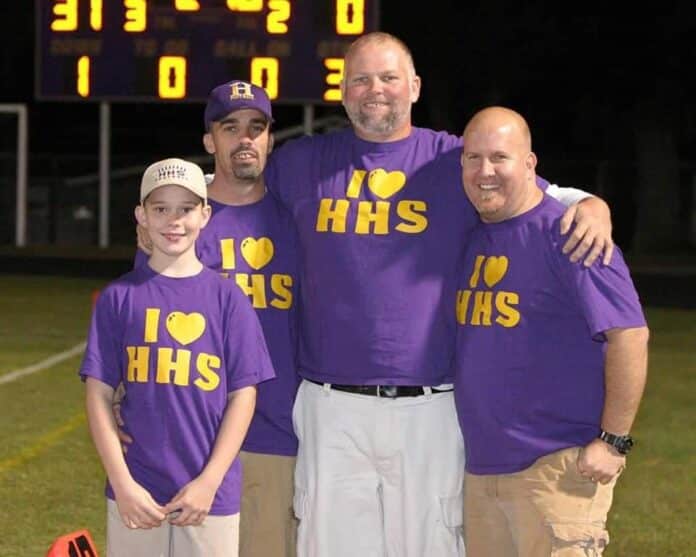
[388, 391]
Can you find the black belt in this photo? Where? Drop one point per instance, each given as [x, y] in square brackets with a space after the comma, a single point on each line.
[386, 391]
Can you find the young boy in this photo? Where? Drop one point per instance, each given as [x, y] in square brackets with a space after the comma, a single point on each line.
[189, 349]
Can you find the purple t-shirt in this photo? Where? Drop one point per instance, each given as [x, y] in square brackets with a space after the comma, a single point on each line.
[179, 346]
[530, 344]
[255, 246]
[380, 228]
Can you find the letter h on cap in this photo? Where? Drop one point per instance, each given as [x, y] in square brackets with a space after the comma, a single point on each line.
[241, 90]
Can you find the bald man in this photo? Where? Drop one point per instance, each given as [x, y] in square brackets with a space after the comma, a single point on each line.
[551, 361]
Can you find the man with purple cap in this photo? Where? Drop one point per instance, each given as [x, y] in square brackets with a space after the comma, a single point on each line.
[251, 239]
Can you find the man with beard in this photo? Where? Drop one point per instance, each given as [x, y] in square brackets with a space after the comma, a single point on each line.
[382, 220]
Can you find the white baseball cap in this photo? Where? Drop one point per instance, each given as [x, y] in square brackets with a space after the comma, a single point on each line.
[174, 172]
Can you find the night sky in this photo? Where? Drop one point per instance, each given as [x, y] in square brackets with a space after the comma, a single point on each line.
[585, 84]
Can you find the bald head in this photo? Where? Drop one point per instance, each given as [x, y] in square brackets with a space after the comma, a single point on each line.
[499, 117]
[498, 165]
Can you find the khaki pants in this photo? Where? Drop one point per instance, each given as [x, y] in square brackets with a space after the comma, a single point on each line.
[549, 509]
[267, 526]
[218, 536]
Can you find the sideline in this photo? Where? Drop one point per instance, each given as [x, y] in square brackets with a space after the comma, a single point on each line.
[42, 443]
[48, 362]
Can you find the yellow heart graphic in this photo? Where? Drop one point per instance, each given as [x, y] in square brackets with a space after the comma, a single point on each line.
[495, 270]
[185, 328]
[385, 184]
[257, 253]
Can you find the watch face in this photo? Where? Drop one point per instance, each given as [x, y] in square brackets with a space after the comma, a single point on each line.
[626, 444]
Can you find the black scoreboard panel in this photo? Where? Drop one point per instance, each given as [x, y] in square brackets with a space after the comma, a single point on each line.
[176, 50]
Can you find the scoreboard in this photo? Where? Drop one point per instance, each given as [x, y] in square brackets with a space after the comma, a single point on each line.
[178, 50]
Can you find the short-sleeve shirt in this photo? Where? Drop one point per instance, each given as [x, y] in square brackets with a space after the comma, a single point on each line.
[531, 343]
[380, 227]
[255, 246]
[179, 346]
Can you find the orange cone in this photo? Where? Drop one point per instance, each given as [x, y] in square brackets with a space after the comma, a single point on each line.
[74, 544]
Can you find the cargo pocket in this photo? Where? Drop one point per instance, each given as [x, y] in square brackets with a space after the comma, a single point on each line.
[452, 510]
[299, 503]
[573, 539]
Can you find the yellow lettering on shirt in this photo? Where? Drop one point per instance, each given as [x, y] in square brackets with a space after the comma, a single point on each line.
[253, 286]
[463, 297]
[474, 278]
[410, 211]
[281, 286]
[138, 363]
[335, 216]
[206, 364]
[507, 315]
[483, 307]
[168, 362]
[227, 253]
[151, 324]
[355, 184]
[488, 306]
[376, 213]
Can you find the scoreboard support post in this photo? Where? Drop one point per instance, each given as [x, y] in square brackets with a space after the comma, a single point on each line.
[308, 119]
[104, 172]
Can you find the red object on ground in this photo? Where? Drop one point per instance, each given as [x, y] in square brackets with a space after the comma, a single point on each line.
[74, 544]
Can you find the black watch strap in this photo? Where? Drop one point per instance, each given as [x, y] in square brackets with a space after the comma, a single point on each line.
[622, 443]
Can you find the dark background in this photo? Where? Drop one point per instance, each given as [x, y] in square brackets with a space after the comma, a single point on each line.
[610, 101]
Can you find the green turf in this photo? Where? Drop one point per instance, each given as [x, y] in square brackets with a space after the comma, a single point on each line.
[51, 482]
[50, 479]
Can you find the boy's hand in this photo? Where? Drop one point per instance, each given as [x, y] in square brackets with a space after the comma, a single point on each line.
[137, 507]
[591, 234]
[191, 505]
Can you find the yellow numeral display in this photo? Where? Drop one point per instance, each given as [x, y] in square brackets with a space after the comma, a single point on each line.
[264, 73]
[65, 12]
[245, 5]
[187, 5]
[172, 77]
[277, 20]
[95, 15]
[66, 15]
[83, 76]
[350, 17]
[136, 16]
[333, 78]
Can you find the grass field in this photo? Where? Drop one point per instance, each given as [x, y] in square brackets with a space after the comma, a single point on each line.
[51, 481]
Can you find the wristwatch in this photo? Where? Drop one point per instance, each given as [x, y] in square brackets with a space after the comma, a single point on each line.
[622, 443]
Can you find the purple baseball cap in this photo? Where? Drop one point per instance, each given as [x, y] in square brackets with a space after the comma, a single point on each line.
[236, 95]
